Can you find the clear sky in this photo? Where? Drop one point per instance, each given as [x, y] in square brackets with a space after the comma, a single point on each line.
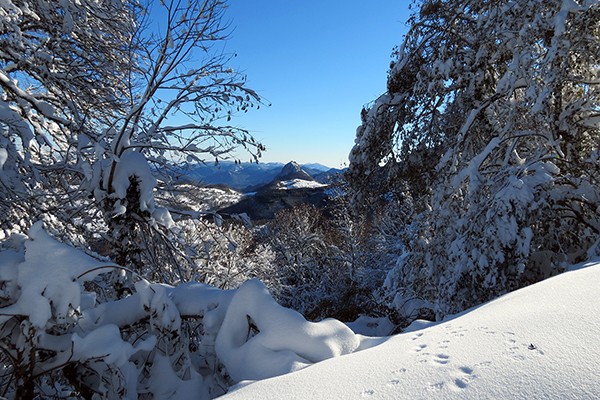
[317, 62]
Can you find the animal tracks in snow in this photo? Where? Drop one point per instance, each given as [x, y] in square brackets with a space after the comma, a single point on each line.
[440, 354]
[459, 379]
[420, 347]
[368, 393]
[463, 377]
[441, 358]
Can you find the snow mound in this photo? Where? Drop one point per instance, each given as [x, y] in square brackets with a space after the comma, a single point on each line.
[371, 326]
[260, 339]
[540, 342]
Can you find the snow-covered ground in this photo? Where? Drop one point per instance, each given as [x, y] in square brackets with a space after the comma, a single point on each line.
[541, 342]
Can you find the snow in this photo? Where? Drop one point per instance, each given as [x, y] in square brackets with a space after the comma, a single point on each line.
[538, 342]
[370, 326]
[167, 385]
[284, 341]
[163, 217]
[106, 343]
[298, 184]
[3, 157]
[49, 285]
[201, 199]
[134, 164]
[14, 122]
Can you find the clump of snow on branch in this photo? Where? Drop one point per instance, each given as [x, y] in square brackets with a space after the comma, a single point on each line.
[49, 286]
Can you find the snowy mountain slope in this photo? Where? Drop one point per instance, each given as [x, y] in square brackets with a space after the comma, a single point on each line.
[541, 342]
[198, 198]
[298, 184]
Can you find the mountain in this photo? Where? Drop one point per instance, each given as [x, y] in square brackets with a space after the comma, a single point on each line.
[269, 200]
[315, 168]
[291, 171]
[247, 176]
[291, 187]
[330, 175]
[270, 187]
[237, 176]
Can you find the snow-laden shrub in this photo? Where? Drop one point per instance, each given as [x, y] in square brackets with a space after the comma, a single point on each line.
[326, 262]
[65, 332]
[225, 254]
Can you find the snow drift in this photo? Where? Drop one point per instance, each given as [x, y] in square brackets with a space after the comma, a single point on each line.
[284, 341]
[540, 342]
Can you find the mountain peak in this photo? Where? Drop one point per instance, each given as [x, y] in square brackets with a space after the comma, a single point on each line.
[293, 170]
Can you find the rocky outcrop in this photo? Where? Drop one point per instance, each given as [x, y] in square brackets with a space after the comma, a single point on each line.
[293, 170]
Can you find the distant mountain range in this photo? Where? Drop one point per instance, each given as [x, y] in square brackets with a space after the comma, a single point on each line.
[251, 176]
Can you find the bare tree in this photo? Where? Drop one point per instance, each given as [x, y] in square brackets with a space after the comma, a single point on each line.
[96, 101]
[182, 96]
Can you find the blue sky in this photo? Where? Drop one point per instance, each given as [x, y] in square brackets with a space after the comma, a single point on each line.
[317, 63]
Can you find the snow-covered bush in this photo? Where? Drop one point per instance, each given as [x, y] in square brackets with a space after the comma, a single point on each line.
[326, 262]
[491, 125]
[225, 254]
[66, 333]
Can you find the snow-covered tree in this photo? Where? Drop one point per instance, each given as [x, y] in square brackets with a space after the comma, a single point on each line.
[61, 69]
[490, 126]
[324, 262]
[98, 99]
[183, 95]
[225, 254]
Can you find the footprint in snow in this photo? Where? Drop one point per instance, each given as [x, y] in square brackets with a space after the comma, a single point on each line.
[436, 387]
[442, 358]
[394, 382]
[461, 383]
[466, 370]
[464, 378]
[420, 348]
[458, 332]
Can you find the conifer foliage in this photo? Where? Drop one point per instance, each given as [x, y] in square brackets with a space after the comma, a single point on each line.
[491, 127]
